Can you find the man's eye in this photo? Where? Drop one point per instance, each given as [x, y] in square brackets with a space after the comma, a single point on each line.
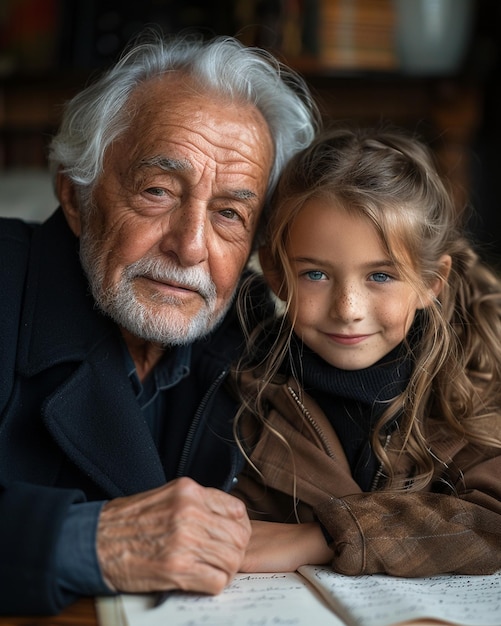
[156, 191]
[315, 275]
[380, 277]
[229, 214]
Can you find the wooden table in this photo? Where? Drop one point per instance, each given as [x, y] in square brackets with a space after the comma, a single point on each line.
[82, 613]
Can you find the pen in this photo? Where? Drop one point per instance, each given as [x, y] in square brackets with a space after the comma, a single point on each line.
[162, 596]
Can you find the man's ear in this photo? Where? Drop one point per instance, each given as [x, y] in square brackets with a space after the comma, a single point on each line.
[273, 276]
[65, 190]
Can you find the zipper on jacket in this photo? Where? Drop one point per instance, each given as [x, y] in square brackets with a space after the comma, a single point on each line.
[196, 422]
[312, 422]
[379, 473]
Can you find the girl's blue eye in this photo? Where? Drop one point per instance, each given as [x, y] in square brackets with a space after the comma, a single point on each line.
[380, 277]
[315, 275]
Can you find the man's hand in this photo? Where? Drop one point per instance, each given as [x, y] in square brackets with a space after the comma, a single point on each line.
[278, 547]
[180, 536]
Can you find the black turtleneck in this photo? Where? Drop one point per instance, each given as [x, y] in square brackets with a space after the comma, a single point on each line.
[353, 400]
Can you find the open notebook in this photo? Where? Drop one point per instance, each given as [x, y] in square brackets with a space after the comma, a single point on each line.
[317, 596]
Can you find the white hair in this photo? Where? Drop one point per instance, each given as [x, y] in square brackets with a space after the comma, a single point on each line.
[95, 117]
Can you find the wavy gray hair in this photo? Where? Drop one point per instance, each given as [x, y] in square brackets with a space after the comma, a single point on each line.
[95, 117]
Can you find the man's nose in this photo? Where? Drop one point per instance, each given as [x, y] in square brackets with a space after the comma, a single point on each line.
[185, 236]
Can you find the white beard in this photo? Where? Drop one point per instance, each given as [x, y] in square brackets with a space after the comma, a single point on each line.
[164, 322]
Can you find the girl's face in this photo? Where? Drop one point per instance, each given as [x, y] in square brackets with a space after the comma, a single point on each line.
[352, 308]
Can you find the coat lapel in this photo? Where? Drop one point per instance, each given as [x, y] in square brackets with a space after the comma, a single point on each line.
[95, 419]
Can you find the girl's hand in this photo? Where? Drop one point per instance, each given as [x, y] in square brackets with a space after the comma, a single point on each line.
[275, 547]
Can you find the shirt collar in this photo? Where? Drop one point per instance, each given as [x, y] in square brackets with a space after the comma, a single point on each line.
[169, 371]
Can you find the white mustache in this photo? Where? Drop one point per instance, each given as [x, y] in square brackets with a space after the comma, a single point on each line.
[194, 278]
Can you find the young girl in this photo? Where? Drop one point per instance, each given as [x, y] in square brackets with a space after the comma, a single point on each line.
[372, 405]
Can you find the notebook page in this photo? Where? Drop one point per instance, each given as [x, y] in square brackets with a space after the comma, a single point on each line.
[381, 600]
[249, 600]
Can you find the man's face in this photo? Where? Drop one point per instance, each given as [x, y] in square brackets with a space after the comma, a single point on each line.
[175, 211]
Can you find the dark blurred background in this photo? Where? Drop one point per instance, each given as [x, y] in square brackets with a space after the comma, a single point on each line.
[432, 66]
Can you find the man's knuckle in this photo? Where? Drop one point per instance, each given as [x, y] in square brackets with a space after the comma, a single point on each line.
[218, 582]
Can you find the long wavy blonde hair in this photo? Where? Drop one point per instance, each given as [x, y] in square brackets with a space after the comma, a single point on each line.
[390, 178]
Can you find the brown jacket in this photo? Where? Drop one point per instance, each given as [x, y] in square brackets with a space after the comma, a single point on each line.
[454, 525]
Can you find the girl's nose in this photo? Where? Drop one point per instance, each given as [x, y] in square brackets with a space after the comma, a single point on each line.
[347, 304]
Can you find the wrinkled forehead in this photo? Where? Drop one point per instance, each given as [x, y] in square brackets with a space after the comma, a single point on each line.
[175, 96]
[171, 113]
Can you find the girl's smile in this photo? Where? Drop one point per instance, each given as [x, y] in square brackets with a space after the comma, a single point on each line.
[347, 340]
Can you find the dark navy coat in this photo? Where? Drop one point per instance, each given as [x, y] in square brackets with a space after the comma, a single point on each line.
[70, 427]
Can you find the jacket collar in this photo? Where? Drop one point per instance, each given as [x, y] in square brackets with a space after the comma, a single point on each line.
[321, 469]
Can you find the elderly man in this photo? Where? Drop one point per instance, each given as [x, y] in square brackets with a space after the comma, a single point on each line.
[116, 325]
